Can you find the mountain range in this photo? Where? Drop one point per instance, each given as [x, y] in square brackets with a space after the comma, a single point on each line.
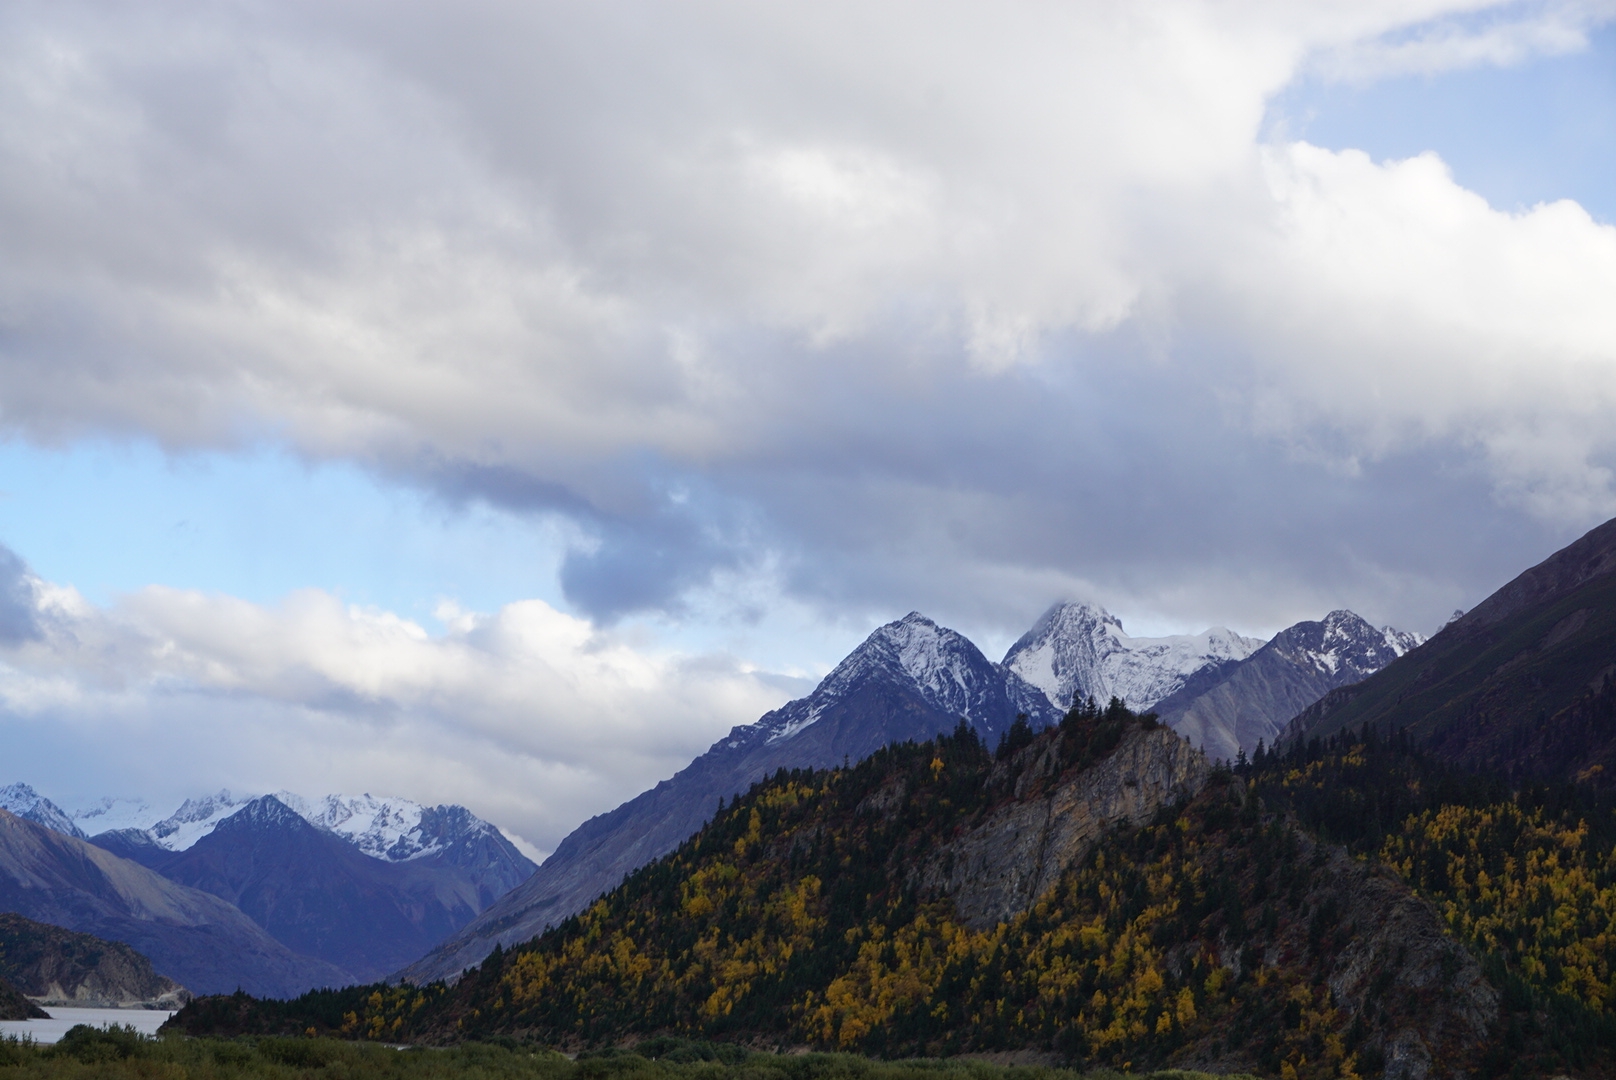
[911, 680]
[350, 887]
[191, 936]
[371, 886]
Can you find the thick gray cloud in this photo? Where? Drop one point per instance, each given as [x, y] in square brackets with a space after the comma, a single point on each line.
[874, 306]
[19, 620]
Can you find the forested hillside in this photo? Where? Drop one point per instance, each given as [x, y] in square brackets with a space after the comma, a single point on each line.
[1349, 908]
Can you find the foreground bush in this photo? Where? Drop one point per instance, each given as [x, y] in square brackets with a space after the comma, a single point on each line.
[123, 1054]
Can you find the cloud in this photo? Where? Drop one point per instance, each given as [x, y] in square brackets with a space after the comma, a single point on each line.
[882, 306]
[18, 620]
[1493, 35]
[531, 717]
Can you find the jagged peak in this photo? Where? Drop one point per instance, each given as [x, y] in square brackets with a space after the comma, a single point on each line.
[1077, 649]
[915, 643]
[1070, 613]
[21, 799]
[264, 810]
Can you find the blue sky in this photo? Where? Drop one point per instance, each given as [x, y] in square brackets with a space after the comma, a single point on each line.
[1533, 132]
[407, 405]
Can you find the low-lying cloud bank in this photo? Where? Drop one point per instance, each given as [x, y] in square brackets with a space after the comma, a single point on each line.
[529, 716]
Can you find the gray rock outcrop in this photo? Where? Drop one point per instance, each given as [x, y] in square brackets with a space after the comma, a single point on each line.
[1019, 852]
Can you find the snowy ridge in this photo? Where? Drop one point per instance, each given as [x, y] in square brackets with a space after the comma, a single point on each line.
[1082, 650]
[195, 819]
[107, 814]
[390, 829]
[30, 805]
[948, 671]
[1250, 702]
[1346, 646]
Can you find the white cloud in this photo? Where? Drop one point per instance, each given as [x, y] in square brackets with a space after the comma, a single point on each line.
[760, 256]
[1387, 302]
[530, 716]
[1487, 35]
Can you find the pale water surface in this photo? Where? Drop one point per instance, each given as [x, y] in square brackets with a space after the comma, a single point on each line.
[49, 1031]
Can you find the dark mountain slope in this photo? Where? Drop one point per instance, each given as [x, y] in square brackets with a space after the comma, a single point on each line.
[59, 966]
[320, 895]
[14, 1005]
[195, 939]
[911, 679]
[1520, 685]
[1252, 700]
[1100, 894]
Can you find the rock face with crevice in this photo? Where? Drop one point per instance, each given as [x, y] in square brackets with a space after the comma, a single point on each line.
[1433, 1004]
[1019, 851]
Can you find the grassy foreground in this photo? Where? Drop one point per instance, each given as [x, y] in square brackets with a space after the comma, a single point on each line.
[124, 1054]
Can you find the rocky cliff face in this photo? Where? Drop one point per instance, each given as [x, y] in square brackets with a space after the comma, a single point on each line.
[1002, 865]
[1402, 973]
[54, 966]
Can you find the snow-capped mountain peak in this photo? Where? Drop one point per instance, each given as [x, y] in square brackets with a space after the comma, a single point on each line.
[1344, 645]
[195, 819]
[29, 804]
[1078, 650]
[392, 829]
[948, 672]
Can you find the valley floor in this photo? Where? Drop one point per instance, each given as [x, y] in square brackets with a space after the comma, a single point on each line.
[125, 1054]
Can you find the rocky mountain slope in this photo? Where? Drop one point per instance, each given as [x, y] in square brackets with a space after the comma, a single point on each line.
[1252, 700]
[1078, 651]
[1525, 684]
[192, 937]
[1164, 914]
[909, 679]
[60, 967]
[321, 895]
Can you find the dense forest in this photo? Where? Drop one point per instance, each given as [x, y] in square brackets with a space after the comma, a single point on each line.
[1246, 928]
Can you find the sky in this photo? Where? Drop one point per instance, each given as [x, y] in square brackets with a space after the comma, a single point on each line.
[494, 403]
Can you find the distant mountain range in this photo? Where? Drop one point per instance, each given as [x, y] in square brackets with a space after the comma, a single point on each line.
[912, 680]
[193, 937]
[370, 886]
[354, 886]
